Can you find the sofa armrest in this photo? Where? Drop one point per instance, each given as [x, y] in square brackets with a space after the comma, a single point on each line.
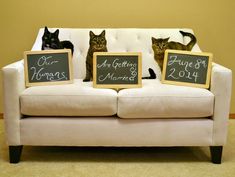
[221, 87]
[13, 85]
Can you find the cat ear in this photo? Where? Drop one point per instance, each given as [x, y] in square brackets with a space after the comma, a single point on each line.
[92, 34]
[166, 39]
[154, 40]
[46, 29]
[57, 32]
[103, 33]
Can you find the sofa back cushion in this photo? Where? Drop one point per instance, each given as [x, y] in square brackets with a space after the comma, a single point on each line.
[118, 40]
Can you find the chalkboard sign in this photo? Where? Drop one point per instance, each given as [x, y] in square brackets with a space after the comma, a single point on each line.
[48, 67]
[117, 70]
[187, 68]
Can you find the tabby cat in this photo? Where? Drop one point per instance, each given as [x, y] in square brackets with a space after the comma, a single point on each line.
[51, 41]
[98, 43]
[161, 44]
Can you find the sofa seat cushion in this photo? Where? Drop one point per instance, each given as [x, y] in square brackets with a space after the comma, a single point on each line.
[157, 100]
[77, 99]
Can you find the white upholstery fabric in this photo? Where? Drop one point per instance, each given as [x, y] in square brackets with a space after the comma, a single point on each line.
[221, 87]
[115, 132]
[153, 100]
[13, 85]
[157, 100]
[77, 99]
[118, 40]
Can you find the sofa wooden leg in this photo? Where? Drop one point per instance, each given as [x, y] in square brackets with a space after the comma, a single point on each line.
[216, 154]
[15, 153]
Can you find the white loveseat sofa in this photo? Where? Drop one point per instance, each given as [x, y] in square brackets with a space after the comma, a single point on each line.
[79, 115]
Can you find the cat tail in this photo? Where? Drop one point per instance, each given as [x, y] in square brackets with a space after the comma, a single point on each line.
[192, 42]
[152, 74]
[67, 45]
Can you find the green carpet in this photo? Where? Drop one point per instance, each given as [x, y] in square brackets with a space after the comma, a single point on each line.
[118, 162]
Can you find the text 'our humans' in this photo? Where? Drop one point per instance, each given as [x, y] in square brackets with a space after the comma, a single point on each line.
[40, 70]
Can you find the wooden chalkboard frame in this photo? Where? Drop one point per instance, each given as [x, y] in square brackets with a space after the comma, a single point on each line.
[196, 54]
[117, 86]
[28, 83]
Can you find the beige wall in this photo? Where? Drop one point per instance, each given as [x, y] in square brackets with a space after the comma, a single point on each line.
[213, 22]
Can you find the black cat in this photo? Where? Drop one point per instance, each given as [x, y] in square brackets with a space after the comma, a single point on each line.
[51, 41]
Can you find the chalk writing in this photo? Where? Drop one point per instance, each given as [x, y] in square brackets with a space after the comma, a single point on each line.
[42, 67]
[186, 68]
[182, 66]
[45, 60]
[113, 66]
[50, 76]
[117, 69]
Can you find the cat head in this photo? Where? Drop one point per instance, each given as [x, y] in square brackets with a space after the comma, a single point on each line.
[98, 42]
[160, 45]
[50, 40]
